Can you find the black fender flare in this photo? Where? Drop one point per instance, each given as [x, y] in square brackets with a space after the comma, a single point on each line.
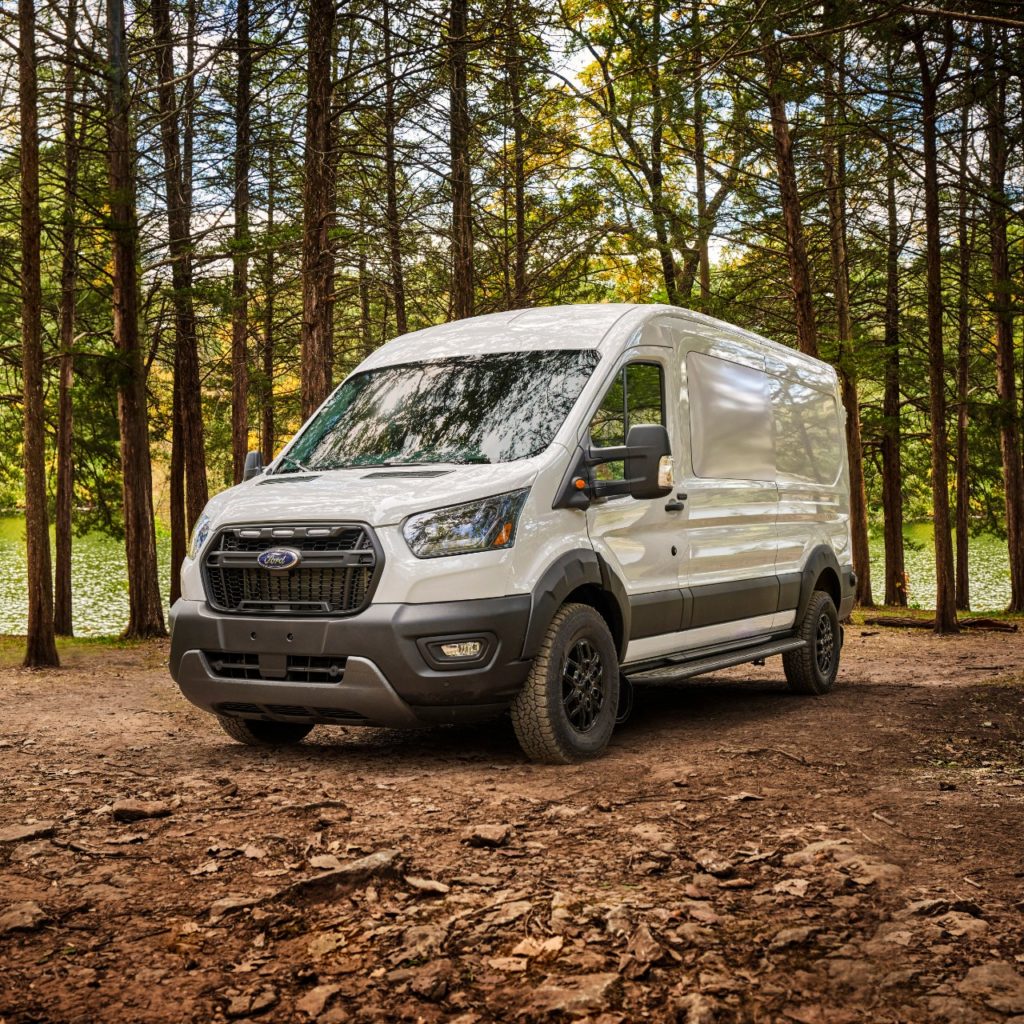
[571, 570]
[821, 558]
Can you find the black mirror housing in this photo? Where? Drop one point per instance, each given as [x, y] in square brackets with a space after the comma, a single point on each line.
[253, 465]
[646, 445]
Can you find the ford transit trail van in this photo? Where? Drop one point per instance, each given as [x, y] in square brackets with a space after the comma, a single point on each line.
[521, 512]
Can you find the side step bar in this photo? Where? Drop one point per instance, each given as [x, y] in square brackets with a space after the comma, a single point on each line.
[682, 669]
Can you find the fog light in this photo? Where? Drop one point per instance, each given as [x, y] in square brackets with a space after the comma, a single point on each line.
[463, 649]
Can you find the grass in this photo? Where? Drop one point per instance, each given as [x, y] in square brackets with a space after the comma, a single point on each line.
[12, 648]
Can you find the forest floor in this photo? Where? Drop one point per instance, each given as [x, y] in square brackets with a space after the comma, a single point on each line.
[740, 854]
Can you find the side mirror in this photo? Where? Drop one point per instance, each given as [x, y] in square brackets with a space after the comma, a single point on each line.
[253, 465]
[647, 445]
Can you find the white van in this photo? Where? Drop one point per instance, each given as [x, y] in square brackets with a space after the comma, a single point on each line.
[519, 512]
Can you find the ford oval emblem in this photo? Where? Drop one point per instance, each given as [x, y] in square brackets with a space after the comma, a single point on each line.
[279, 559]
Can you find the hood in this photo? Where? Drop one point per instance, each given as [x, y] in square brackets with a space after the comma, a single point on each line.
[379, 496]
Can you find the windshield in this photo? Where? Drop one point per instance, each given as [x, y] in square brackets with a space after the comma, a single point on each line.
[487, 408]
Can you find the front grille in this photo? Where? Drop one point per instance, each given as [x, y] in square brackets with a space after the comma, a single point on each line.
[339, 567]
[299, 668]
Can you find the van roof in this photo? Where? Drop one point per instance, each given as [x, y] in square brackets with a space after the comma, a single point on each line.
[601, 325]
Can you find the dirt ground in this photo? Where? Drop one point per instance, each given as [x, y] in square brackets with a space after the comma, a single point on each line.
[740, 854]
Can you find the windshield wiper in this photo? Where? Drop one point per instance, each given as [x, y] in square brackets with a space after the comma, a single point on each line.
[296, 463]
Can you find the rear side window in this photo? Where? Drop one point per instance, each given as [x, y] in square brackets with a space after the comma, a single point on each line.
[808, 446]
[731, 432]
[636, 396]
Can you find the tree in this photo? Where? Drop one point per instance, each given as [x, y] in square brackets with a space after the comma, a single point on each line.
[1006, 385]
[846, 364]
[931, 78]
[188, 464]
[240, 275]
[62, 611]
[318, 210]
[458, 143]
[145, 613]
[892, 467]
[789, 196]
[41, 649]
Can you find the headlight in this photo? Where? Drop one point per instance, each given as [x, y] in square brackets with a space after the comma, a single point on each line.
[461, 529]
[200, 534]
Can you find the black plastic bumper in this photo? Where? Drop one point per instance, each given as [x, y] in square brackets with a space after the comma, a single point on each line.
[385, 666]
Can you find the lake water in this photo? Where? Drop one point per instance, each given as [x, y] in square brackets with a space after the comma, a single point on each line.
[100, 586]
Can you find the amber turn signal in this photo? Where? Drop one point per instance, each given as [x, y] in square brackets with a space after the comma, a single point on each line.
[504, 536]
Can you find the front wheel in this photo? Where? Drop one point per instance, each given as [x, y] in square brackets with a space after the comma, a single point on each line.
[813, 667]
[566, 710]
[256, 733]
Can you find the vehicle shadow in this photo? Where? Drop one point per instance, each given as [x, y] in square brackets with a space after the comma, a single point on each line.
[685, 710]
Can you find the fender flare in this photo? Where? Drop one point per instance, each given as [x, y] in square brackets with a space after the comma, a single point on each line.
[821, 557]
[569, 571]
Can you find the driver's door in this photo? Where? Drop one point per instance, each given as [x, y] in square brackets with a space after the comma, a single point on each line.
[639, 539]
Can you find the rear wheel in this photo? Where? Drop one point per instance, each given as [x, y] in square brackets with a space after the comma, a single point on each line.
[566, 710]
[813, 668]
[257, 733]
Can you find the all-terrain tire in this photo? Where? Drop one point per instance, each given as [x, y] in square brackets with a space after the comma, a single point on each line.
[257, 733]
[566, 710]
[813, 667]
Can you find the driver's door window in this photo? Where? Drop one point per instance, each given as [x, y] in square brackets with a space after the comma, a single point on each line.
[636, 396]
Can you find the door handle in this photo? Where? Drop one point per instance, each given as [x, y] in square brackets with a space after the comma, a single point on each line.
[677, 504]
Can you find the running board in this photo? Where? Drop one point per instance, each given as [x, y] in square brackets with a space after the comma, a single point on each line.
[682, 669]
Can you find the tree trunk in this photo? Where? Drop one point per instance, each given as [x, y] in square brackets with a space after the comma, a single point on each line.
[1006, 382]
[41, 648]
[461, 183]
[318, 211]
[267, 438]
[145, 613]
[394, 227]
[513, 76]
[945, 597]
[240, 276]
[892, 467]
[63, 621]
[789, 195]
[179, 226]
[834, 160]
[700, 161]
[176, 473]
[963, 351]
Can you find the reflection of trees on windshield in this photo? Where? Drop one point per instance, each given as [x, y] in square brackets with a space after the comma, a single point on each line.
[493, 408]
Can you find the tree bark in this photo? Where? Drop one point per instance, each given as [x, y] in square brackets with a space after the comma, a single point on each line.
[240, 275]
[513, 77]
[892, 467]
[177, 176]
[41, 648]
[393, 224]
[656, 174]
[700, 161]
[963, 352]
[789, 196]
[63, 619]
[945, 596]
[834, 160]
[267, 438]
[145, 612]
[461, 183]
[318, 211]
[1006, 382]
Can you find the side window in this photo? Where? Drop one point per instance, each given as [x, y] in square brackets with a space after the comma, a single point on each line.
[636, 396]
[731, 433]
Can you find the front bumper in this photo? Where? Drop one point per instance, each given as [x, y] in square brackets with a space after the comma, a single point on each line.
[374, 668]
